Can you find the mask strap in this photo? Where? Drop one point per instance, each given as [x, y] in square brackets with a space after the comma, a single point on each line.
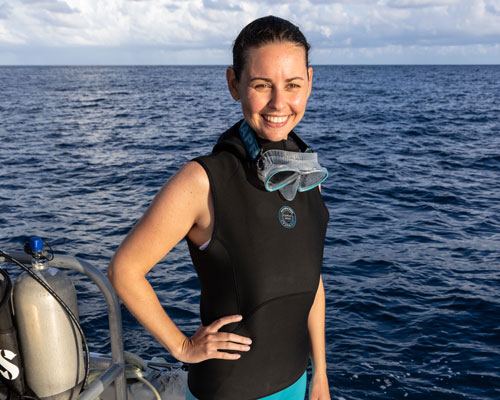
[304, 148]
[248, 139]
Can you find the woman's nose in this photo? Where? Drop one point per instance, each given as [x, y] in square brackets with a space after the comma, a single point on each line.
[277, 100]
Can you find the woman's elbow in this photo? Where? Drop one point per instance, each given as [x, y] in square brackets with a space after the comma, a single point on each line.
[122, 275]
[113, 273]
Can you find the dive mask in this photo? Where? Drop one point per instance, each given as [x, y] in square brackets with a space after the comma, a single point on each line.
[286, 171]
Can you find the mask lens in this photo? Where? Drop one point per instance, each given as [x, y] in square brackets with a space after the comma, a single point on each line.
[311, 180]
[280, 179]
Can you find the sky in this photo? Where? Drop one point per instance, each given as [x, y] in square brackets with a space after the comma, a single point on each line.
[185, 32]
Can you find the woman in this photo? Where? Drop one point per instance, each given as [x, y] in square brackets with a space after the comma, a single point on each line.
[255, 232]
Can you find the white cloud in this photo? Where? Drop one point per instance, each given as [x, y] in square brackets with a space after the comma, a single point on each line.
[168, 31]
[420, 3]
[55, 6]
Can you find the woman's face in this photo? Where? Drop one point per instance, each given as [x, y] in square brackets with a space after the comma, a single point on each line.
[273, 88]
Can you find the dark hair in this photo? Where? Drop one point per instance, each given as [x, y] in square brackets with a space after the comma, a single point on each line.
[263, 31]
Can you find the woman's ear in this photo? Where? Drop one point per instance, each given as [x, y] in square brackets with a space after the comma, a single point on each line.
[232, 83]
[310, 76]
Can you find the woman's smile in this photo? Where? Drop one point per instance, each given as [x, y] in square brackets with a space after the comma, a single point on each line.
[276, 120]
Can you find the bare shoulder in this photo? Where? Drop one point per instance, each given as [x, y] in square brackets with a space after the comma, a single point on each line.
[191, 180]
[176, 210]
[192, 173]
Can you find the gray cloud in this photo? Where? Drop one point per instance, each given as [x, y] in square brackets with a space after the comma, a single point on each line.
[419, 3]
[5, 10]
[221, 5]
[170, 7]
[54, 6]
[492, 8]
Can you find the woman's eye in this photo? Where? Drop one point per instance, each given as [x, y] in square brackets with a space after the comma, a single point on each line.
[262, 86]
[293, 85]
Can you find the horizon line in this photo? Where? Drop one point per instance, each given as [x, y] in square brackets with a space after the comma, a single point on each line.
[225, 65]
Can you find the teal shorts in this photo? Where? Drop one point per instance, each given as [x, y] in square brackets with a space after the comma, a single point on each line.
[296, 391]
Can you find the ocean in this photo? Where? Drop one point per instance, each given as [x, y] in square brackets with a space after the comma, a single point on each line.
[412, 254]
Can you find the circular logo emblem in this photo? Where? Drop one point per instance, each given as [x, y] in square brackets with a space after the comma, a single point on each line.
[287, 217]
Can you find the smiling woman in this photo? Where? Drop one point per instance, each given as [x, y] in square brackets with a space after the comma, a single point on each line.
[255, 223]
[273, 89]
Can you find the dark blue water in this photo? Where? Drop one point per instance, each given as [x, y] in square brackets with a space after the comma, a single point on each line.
[412, 257]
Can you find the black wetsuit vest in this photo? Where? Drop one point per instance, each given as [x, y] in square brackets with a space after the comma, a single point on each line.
[263, 262]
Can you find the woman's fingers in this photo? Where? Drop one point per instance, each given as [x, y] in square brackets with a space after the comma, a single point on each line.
[219, 323]
[209, 343]
[222, 355]
[214, 342]
[224, 345]
[232, 337]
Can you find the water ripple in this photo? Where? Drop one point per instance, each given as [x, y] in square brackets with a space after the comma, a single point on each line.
[412, 255]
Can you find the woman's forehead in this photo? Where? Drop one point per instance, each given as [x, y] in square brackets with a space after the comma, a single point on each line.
[285, 56]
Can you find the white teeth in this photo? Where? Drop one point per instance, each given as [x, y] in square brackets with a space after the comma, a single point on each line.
[276, 120]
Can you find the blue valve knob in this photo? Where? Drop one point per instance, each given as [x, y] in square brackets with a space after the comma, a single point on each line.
[36, 244]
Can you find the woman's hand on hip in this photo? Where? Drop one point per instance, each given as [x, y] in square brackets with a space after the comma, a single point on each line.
[208, 342]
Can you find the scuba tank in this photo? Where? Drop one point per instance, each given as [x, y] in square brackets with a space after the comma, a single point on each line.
[50, 342]
[11, 368]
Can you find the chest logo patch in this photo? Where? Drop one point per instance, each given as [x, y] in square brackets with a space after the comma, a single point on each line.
[287, 217]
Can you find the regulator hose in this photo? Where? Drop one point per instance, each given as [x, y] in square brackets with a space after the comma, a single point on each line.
[63, 305]
[8, 288]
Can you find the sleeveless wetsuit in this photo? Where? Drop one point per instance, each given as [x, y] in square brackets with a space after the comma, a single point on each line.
[263, 262]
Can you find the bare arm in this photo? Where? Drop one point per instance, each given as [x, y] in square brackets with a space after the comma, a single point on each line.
[319, 389]
[182, 207]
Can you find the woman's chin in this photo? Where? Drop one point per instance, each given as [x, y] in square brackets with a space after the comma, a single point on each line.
[274, 131]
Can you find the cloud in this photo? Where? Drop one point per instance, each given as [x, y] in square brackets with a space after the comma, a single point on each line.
[221, 5]
[170, 7]
[5, 10]
[426, 23]
[53, 6]
[492, 8]
[420, 3]
[171, 30]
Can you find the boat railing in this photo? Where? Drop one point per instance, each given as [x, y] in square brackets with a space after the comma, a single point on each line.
[116, 370]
